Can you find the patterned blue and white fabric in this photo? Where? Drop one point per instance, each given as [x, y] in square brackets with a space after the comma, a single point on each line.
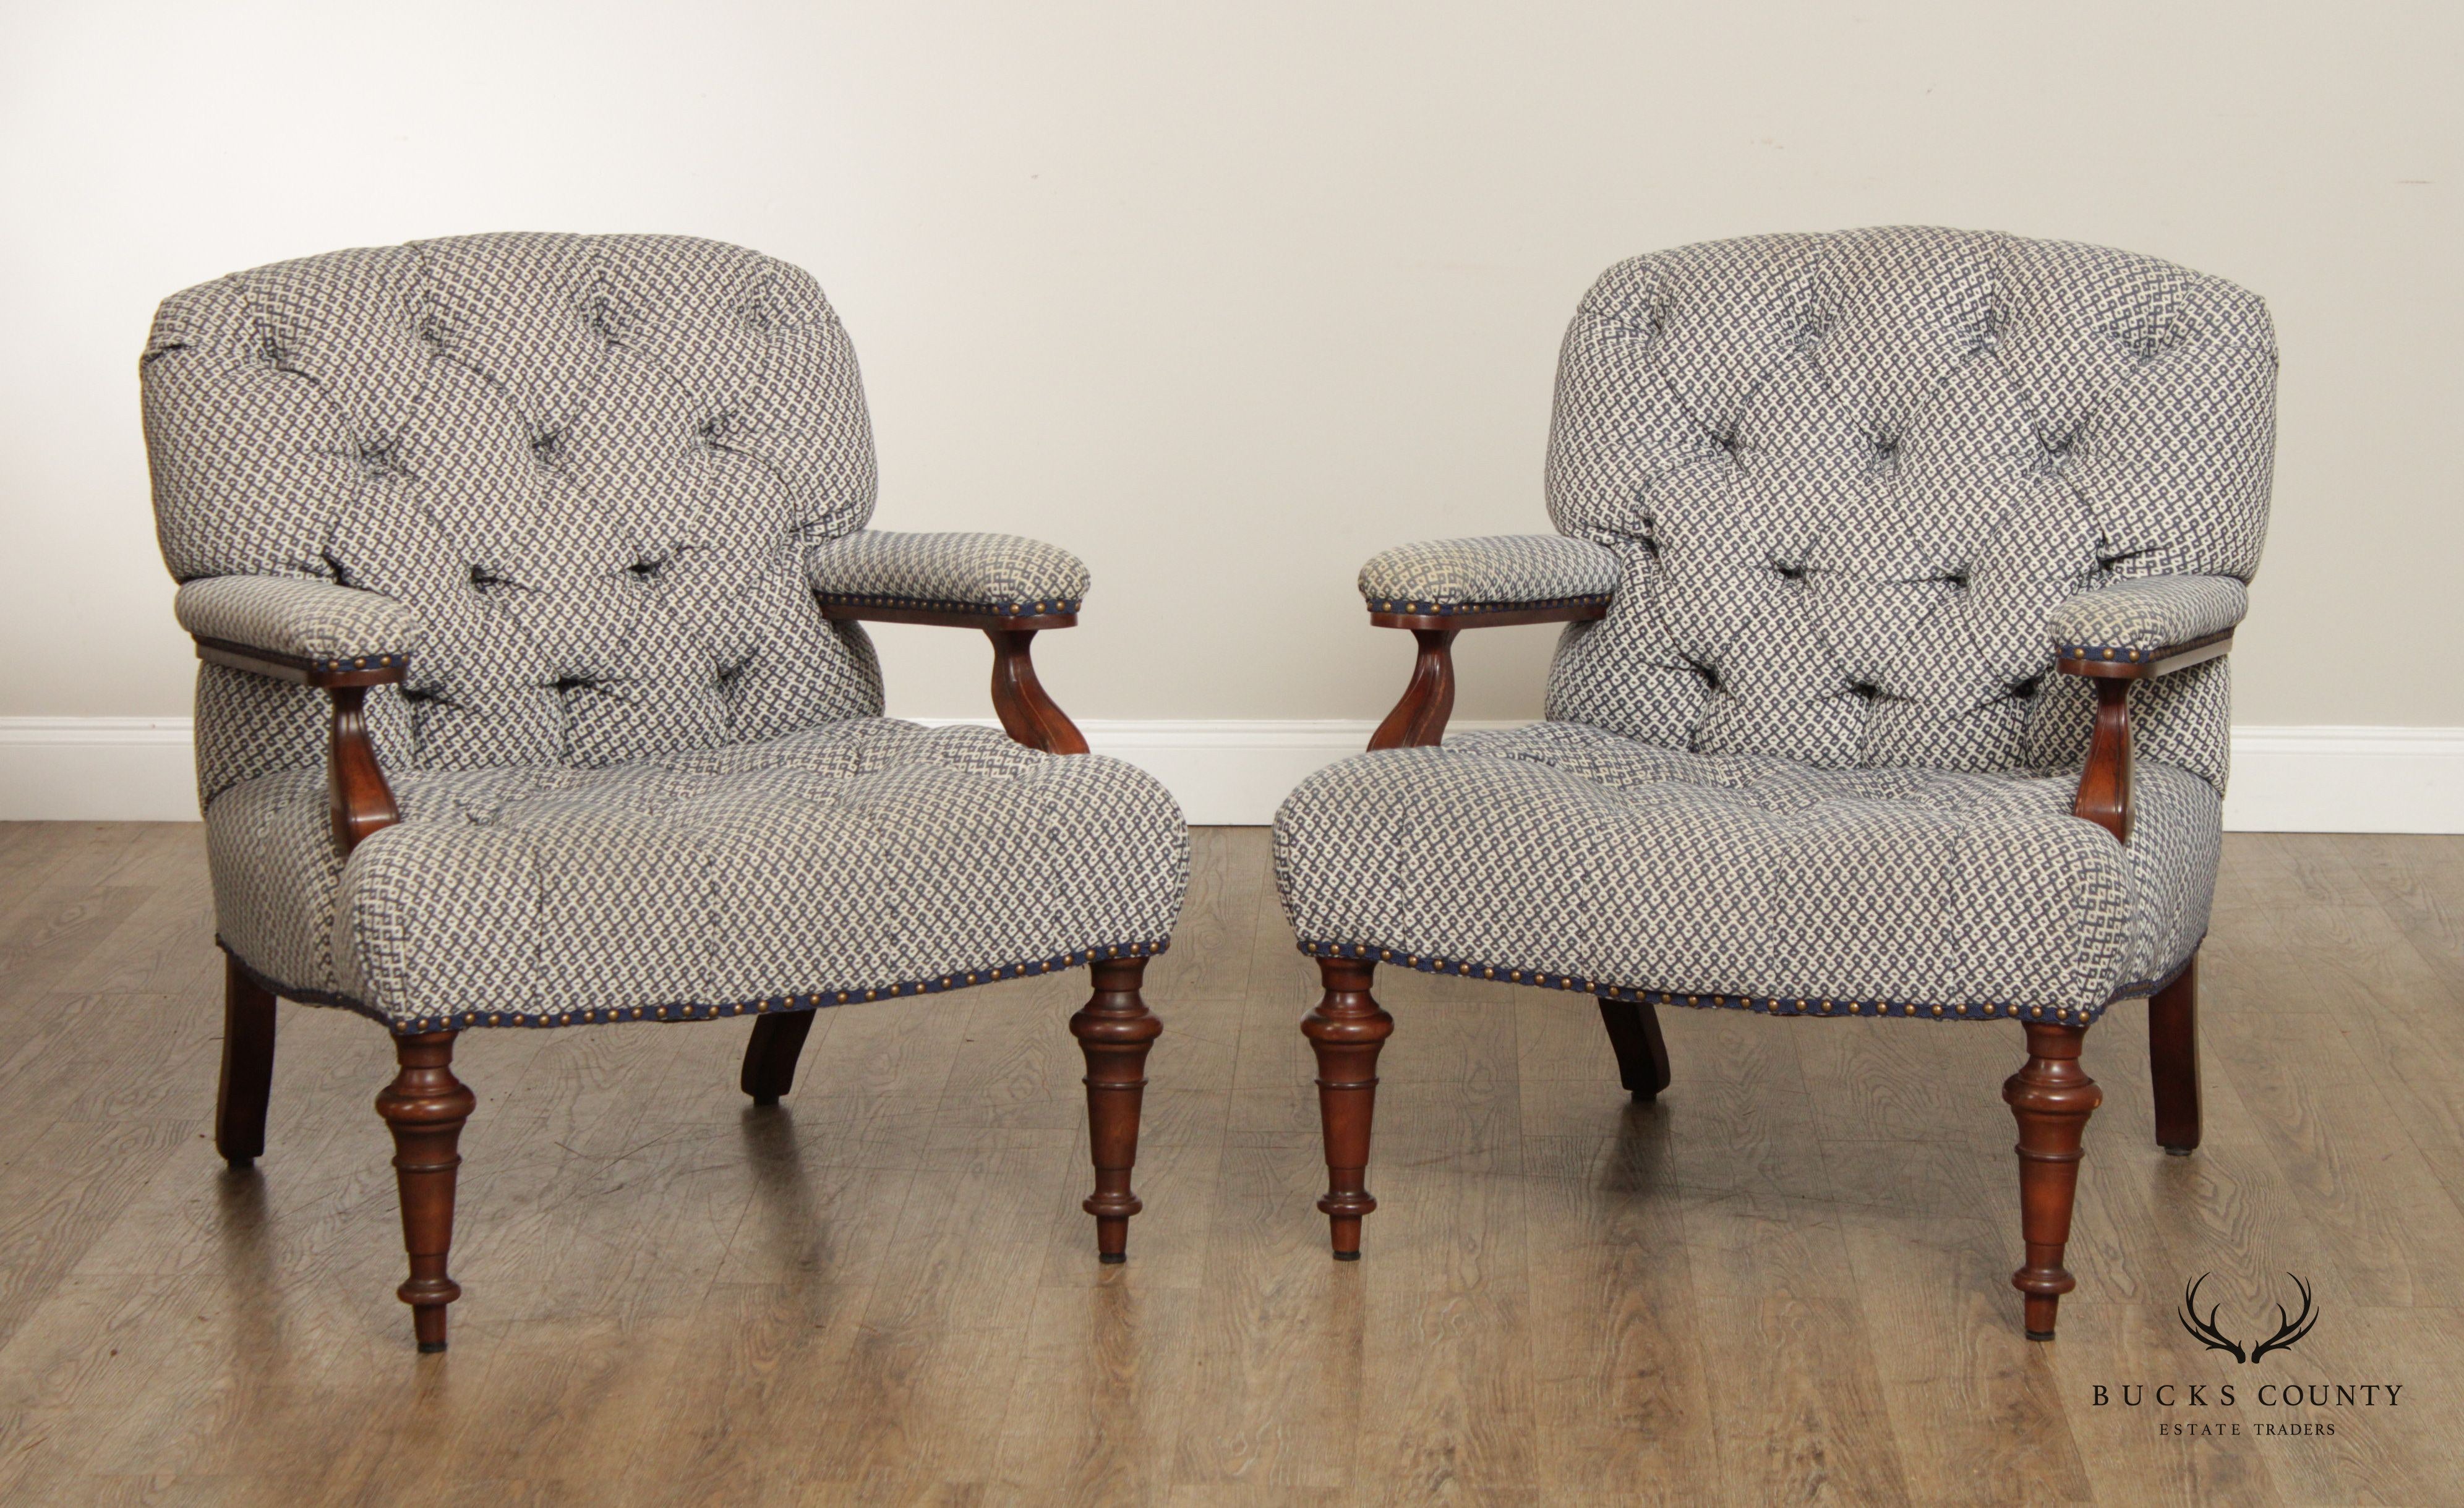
[1572, 857]
[317, 622]
[576, 480]
[1815, 756]
[859, 861]
[2147, 615]
[1851, 476]
[964, 573]
[1494, 572]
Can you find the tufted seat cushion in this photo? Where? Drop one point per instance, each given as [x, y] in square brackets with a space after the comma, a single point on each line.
[865, 859]
[1566, 855]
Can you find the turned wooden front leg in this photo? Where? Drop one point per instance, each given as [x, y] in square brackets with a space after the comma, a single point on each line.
[2052, 1096]
[1347, 1029]
[1115, 1029]
[426, 1106]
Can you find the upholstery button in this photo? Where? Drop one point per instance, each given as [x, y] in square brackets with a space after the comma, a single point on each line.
[547, 447]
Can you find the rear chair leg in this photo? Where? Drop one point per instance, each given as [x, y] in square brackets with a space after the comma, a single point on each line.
[1642, 1058]
[1347, 1029]
[1115, 1029]
[770, 1057]
[425, 1105]
[247, 1068]
[2173, 1060]
[2052, 1096]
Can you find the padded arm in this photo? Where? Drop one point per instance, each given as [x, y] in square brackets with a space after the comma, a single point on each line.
[994, 576]
[337, 639]
[2138, 621]
[1007, 586]
[2132, 631]
[1494, 574]
[306, 625]
[1438, 587]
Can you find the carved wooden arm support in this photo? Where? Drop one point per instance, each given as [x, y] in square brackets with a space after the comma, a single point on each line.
[1028, 711]
[357, 794]
[2105, 782]
[1429, 697]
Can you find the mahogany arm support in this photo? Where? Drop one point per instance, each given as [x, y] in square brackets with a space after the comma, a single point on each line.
[357, 796]
[1028, 712]
[1429, 697]
[2104, 781]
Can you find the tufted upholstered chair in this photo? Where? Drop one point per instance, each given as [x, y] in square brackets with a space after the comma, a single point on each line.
[1882, 554]
[527, 573]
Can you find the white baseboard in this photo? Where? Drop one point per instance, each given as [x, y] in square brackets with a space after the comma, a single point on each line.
[1235, 770]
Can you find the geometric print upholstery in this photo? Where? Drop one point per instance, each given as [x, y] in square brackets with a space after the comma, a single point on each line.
[2145, 616]
[859, 861]
[332, 627]
[589, 466]
[975, 573]
[1848, 478]
[1494, 571]
[1569, 856]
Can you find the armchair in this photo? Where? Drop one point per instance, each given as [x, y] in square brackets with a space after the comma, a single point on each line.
[1865, 541]
[565, 533]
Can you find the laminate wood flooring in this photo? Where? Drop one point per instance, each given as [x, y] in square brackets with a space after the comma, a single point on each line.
[1784, 1282]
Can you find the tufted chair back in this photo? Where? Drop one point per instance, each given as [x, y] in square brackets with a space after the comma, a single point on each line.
[1849, 475]
[591, 464]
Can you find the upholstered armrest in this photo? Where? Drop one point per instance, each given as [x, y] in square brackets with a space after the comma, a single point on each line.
[294, 622]
[876, 572]
[2133, 631]
[1438, 587]
[1005, 585]
[314, 633]
[1489, 576]
[2147, 621]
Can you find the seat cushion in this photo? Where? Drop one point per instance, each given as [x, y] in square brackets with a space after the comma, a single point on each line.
[865, 859]
[1560, 854]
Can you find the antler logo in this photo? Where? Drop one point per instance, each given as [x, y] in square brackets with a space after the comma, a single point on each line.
[2289, 1328]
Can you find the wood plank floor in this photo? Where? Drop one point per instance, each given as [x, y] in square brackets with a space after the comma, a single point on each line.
[1784, 1282]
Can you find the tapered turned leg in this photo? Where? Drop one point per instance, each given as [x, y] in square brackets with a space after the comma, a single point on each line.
[247, 1068]
[1347, 1029]
[2173, 1060]
[1115, 1029]
[1642, 1058]
[770, 1058]
[2052, 1098]
[425, 1105]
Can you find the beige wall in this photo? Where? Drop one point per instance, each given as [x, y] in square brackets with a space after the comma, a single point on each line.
[1227, 297]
